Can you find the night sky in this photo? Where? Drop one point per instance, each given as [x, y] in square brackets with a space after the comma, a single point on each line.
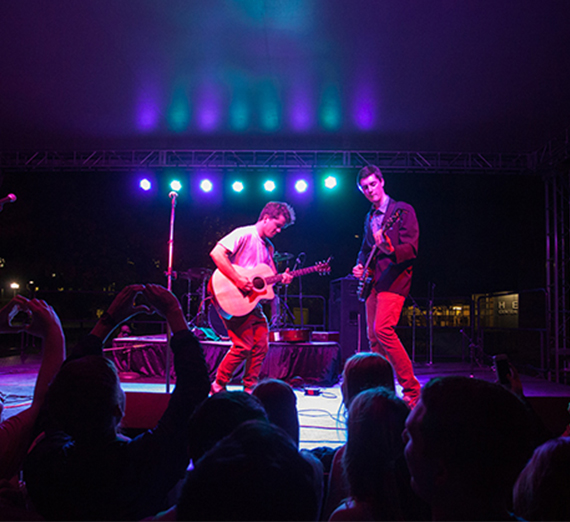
[254, 74]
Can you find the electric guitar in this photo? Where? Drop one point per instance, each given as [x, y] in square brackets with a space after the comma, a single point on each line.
[367, 278]
[235, 302]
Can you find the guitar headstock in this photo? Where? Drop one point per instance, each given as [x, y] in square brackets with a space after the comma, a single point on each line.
[324, 267]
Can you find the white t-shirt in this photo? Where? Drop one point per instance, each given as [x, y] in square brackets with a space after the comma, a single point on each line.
[247, 248]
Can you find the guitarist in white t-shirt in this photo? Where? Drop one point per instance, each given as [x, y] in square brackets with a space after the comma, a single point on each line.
[384, 267]
[249, 247]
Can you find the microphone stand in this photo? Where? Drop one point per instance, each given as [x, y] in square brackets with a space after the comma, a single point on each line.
[169, 276]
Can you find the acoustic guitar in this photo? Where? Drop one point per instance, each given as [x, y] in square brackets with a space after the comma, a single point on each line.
[235, 302]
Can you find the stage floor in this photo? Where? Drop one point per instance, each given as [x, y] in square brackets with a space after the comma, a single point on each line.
[321, 415]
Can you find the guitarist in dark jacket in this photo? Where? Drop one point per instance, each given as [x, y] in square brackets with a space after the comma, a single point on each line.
[384, 267]
[248, 247]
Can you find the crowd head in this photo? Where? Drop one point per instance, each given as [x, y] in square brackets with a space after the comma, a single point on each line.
[255, 473]
[466, 442]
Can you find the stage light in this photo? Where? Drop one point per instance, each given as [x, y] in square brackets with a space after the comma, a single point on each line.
[206, 185]
[269, 185]
[145, 184]
[176, 185]
[330, 182]
[237, 186]
[301, 186]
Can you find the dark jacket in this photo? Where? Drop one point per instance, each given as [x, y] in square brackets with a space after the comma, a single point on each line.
[393, 273]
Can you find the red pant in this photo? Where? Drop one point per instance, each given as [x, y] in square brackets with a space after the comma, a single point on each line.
[250, 342]
[383, 311]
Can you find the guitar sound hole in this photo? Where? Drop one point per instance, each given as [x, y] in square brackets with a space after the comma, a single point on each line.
[258, 283]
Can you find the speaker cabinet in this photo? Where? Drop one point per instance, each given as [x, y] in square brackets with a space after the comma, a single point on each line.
[347, 315]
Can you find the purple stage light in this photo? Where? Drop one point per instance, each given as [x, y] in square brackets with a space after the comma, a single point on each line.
[300, 115]
[206, 185]
[365, 107]
[148, 106]
[301, 186]
[145, 184]
[209, 107]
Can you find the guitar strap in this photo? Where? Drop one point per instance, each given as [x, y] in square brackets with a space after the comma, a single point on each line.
[374, 217]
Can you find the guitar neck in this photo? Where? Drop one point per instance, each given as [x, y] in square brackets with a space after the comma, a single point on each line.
[295, 273]
[370, 257]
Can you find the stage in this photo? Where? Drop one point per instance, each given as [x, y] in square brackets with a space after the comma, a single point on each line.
[321, 414]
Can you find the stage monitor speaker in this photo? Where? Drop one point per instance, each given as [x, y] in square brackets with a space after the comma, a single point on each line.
[347, 315]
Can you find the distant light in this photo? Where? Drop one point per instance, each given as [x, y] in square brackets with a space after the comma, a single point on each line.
[15, 286]
[330, 182]
[176, 185]
[206, 185]
[269, 185]
[145, 184]
[301, 186]
[237, 186]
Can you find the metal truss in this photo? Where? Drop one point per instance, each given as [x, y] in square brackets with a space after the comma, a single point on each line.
[396, 162]
[557, 196]
[554, 153]
[552, 160]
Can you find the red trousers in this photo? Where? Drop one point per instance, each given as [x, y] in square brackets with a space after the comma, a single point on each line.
[250, 342]
[383, 311]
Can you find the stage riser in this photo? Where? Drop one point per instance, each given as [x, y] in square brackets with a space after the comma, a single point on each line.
[316, 363]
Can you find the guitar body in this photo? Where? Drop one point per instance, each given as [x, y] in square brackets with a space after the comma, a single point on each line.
[232, 300]
[365, 285]
[367, 279]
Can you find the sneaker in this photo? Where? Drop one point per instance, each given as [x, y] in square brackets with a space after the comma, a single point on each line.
[216, 388]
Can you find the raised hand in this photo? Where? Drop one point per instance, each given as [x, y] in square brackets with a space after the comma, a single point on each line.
[44, 319]
[9, 312]
[121, 309]
[167, 305]
[123, 306]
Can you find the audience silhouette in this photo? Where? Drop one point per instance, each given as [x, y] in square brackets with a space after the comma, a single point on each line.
[255, 473]
[542, 490]
[466, 442]
[362, 371]
[462, 453]
[82, 468]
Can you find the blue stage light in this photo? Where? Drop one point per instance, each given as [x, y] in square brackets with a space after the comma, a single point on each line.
[301, 186]
[330, 182]
[206, 185]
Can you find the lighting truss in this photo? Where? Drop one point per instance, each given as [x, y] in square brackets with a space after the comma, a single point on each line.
[395, 162]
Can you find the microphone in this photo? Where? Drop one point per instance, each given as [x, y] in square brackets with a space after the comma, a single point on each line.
[300, 260]
[10, 198]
